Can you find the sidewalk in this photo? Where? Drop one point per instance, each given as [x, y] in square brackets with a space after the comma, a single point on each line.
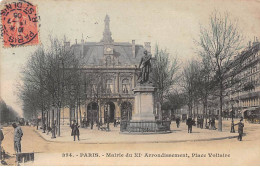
[114, 136]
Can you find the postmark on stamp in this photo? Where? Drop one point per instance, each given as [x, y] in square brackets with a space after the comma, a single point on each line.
[19, 24]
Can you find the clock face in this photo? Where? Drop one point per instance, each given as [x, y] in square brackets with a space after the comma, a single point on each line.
[108, 49]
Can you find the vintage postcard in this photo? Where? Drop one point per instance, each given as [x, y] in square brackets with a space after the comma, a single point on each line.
[130, 83]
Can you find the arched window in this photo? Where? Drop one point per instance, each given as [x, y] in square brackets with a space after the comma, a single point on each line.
[109, 86]
[125, 86]
[109, 61]
[93, 90]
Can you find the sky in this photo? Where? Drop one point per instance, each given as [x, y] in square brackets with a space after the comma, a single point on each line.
[173, 24]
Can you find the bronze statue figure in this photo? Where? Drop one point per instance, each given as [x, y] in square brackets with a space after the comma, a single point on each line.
[145, 66]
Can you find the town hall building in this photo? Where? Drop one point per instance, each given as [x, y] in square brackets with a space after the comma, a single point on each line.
[111, 73]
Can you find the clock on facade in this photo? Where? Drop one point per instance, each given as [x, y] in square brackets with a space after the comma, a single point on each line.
[108, 50]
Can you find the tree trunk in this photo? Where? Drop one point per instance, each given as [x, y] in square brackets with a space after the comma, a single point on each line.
[70, 115]
[42, 118]
[80, 117]
[190, 108]
[47, 119]
[77, 116]
[58, 120]
[206, 112]
[52, 118]
[220, 106]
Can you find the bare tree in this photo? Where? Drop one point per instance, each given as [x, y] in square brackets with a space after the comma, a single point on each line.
[48, 77]
[164, 72]
[205, 85]
[7, 113]
[189, 83]
[219, 42]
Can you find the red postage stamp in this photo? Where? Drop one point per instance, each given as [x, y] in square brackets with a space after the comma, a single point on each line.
[19, 24]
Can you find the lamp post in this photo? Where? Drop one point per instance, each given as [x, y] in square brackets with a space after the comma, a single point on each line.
[232, 116]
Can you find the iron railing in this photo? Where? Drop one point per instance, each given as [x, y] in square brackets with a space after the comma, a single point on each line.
[144, 126]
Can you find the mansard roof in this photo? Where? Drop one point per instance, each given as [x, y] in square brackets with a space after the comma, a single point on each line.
[93, 52]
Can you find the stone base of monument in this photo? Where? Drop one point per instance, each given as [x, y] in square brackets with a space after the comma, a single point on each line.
[143, 121]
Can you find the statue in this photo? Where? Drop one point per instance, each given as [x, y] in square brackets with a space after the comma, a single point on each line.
[145, 66]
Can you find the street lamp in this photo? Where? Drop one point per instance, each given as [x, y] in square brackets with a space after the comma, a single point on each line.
[232, 102]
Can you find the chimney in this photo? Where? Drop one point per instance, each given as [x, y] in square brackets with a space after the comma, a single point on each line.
[66, 46]
[82, 39]
[76, 41]
[133, 48]
[82, 46]
[255, 41]
[147, 46]
[249, 44]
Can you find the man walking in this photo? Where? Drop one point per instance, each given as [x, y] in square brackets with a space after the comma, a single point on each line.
[18, 134]
[240, 129]
[178, 122]
[198, 121]
[75, 130]
[189, 123]
[1, 139]
[213, 124]
[201, 122]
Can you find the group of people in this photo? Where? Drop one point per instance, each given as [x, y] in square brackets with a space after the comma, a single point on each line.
[200, 122]
[18, 133]
[212, 125]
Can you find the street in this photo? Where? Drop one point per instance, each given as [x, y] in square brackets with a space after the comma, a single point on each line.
[216, 152]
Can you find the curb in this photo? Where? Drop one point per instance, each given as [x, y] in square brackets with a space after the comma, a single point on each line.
[139, 142]
[144, 133]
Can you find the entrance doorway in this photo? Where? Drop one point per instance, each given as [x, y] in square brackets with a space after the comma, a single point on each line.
[109, 112]
[92, 112]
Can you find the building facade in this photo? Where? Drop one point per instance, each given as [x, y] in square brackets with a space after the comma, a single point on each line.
[243, 98]
[247, 99]
[111, 72]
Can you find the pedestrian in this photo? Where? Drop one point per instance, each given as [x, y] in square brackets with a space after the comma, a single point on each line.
[114, 122]
[75, 130]
[49, 129]
[37, 124]
[201, 122]
[240, 129]
[178, 122]
[189, 122]
[84, 123]
[44, 127]
[18, 134]
[213, 127]
[198, 122]
[92, 124]
[1, 139]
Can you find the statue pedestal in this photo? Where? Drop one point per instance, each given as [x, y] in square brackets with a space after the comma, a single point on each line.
[143, 121]
[144, 103]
